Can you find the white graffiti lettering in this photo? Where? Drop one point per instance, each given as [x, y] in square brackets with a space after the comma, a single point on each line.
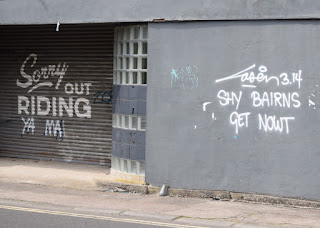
[44, 72]
[86, 107]
[24, 107]
[239, 120]
[77, 88]
[276, 99]
[41, 112]
[272, 123]
[43, 106]
[55, 128]
[227, 98]
[204, 105]
[249, 76]
[28, 124]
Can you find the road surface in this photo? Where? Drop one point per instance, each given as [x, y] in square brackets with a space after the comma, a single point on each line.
[25, 217]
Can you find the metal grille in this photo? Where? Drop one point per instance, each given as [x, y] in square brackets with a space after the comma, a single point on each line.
[56, 92]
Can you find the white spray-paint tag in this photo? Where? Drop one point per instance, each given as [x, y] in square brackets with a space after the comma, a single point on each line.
[204, 105]
[58, 25]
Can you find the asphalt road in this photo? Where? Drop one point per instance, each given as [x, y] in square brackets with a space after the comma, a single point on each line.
[16, 217]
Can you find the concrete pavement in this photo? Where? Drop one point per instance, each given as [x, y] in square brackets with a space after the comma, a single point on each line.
[51, 173]
[75, 185]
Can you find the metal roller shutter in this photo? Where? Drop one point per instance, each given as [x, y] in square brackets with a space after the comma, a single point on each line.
[55, 92]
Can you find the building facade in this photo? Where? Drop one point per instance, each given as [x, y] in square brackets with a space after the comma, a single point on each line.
[216, 95]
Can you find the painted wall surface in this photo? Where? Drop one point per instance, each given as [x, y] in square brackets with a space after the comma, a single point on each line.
[81, 11]
[129, 100]
[235, 106]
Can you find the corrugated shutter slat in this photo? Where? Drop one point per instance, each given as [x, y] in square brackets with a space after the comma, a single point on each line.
[87, 49]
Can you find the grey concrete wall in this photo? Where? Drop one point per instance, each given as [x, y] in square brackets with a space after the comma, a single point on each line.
[194, 107]
[81, 11]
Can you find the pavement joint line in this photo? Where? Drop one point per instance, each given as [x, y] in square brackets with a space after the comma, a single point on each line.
[178, 217]
[144, 222]
[285, 224]
[124, 211]
[209, 219]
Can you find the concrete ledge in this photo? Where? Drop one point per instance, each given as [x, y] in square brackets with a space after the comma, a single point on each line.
[122, 187]
[241, 197]
[153, 189]
[249, 197]
[129, 178]
[216, 195]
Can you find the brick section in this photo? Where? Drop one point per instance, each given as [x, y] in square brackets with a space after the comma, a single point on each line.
[126, 151]
[131, 137]
[129, 100]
